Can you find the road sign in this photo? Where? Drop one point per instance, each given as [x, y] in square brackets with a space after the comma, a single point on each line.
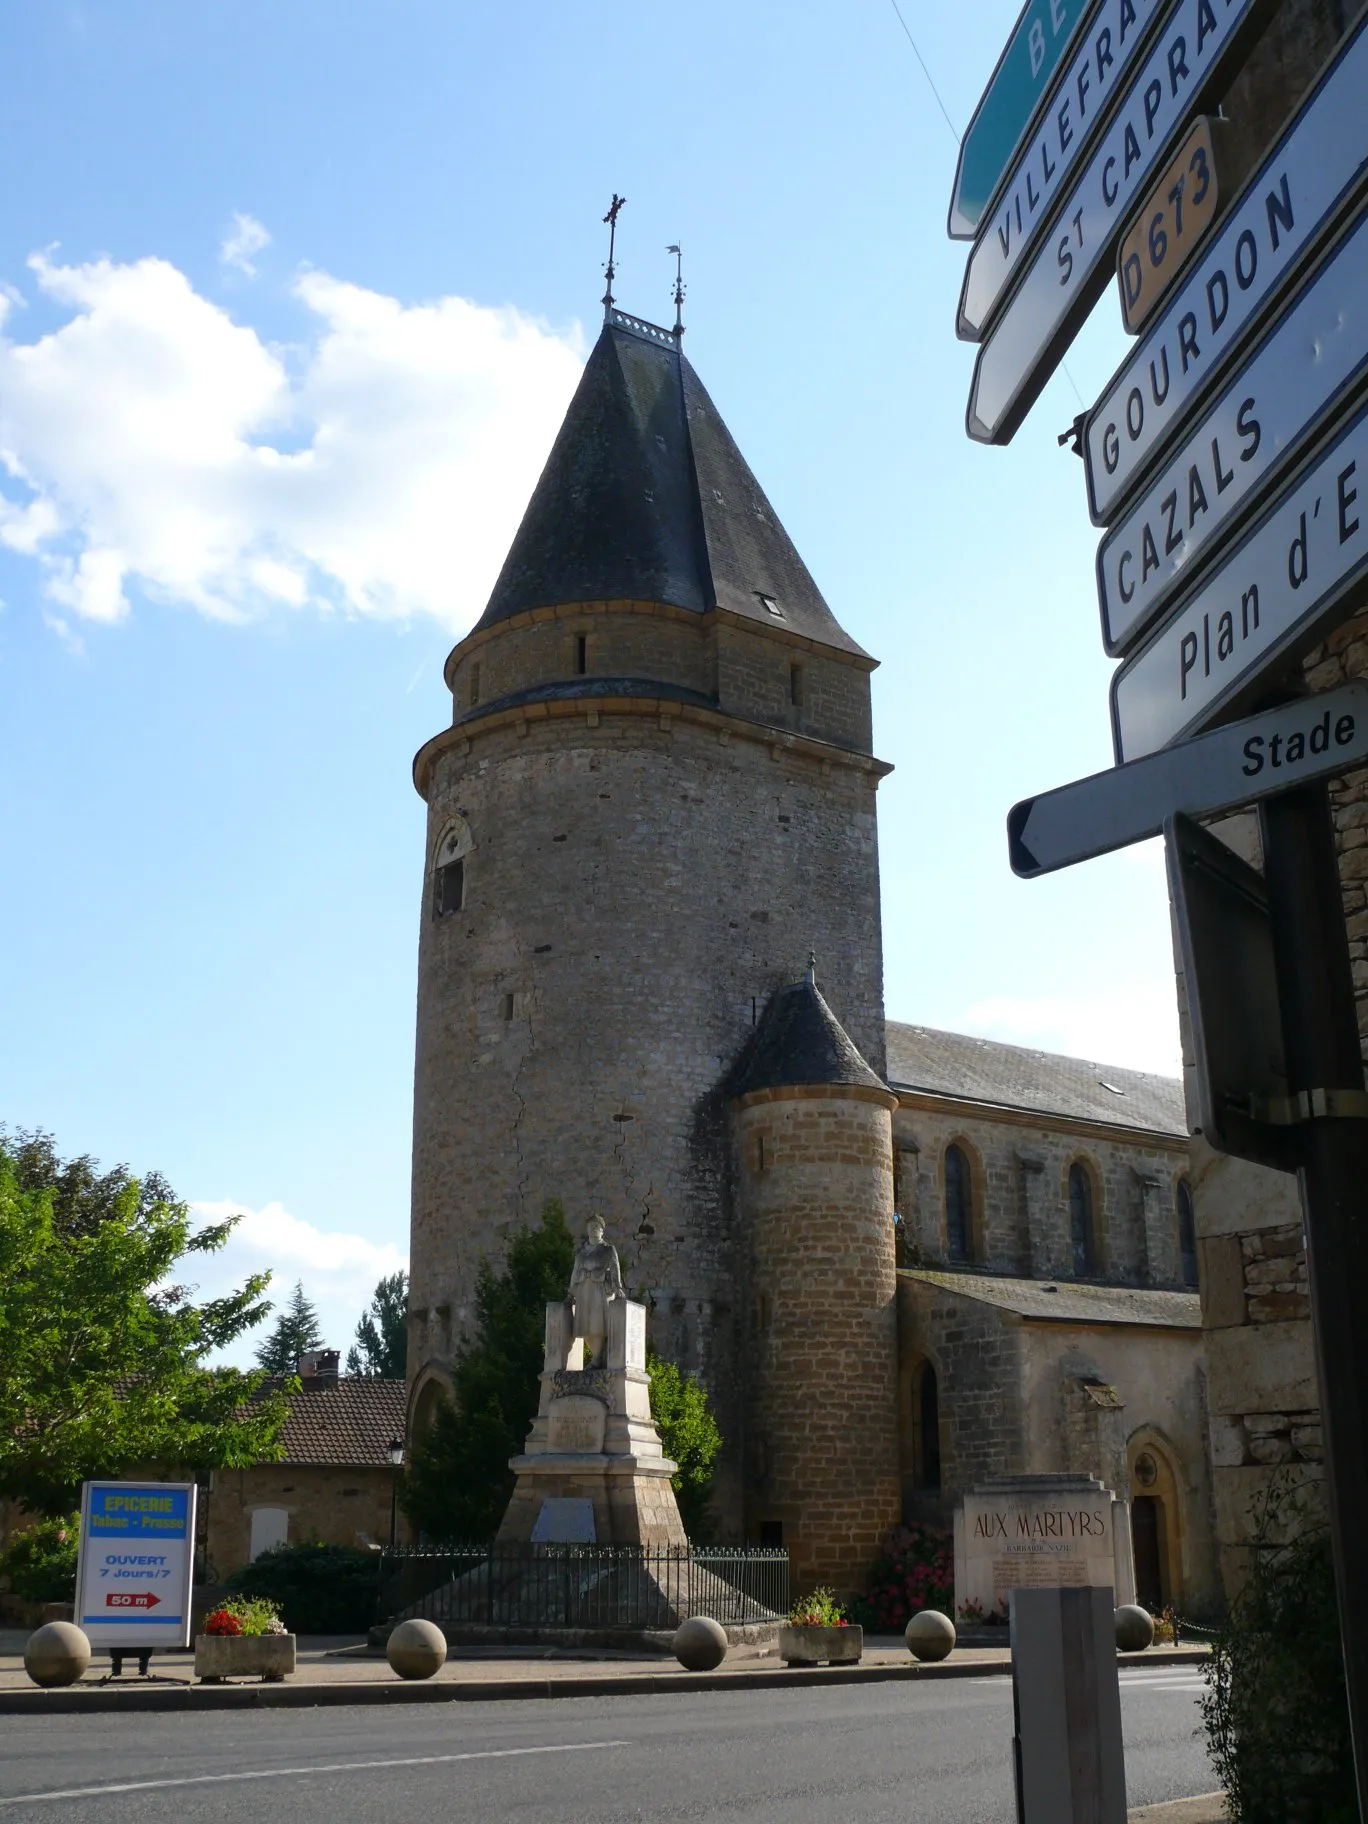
[1173, 221]
[1020, 82]
[1319, 163]
[1312, 359]
[1235, 765]
[1082, 100]
[1064, 277]
[1301, 566]
[136, 1563]
[1225, 940]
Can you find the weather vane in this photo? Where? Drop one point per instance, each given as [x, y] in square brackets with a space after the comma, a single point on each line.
[679, 289]
[614, 210]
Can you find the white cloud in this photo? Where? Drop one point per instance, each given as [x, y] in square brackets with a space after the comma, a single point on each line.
[379, 469]
[248, 237]
[1136, 1030]
[339, 1271]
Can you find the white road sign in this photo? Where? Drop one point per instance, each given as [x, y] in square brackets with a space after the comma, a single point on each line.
[136, 1563]
[1083, 97]
[1235, 765]
[1315, 167]
[1302, 566]
[1062, 279]
[1312, 358]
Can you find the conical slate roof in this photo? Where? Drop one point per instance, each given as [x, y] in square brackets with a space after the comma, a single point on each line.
[646, 497]
[799, 1041]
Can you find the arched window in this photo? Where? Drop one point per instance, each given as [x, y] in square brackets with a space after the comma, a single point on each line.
[1187, 1234]
[448, 868]
[1082, 1230]
[926, 1457]
[959, 1205]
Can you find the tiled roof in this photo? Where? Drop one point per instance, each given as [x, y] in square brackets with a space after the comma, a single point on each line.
[1068, 1301]
[646, 497]
[349, 1421]
[799, 1040]
[1010, 1076]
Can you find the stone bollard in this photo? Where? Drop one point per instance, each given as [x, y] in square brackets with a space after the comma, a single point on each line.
[930, 1635]
[700, 1644]
[1134, 1628]
[57, 1654]
[416, 1649]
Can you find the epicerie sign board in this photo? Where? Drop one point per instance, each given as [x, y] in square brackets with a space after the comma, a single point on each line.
[1073, 114]
[1312, 738]
[1071, 266]
[1307, 365]
[1315, 169]
[136, 1563]
[1172, 222]
[1300, 568]
[1040, 38]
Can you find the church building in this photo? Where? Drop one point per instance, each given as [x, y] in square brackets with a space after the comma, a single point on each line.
[650, 984]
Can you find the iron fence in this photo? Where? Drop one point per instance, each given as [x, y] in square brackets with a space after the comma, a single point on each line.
[584, 1586]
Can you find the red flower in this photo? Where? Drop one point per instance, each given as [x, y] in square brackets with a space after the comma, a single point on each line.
[222, 1621]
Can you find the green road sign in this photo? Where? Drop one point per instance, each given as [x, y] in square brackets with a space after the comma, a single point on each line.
[1042, 35]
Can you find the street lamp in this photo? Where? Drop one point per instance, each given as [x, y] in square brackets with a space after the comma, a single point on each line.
[396, 1457]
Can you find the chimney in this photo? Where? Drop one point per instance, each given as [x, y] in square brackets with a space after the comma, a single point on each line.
[320, 1367]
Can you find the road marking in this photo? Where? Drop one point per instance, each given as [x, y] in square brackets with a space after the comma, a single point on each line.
[280, 1773]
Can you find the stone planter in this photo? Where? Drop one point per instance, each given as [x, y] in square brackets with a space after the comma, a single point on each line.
[801, 1644]
[266, 1656]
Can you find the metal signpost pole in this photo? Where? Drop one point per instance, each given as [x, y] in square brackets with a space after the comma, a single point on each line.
[1324, 1058]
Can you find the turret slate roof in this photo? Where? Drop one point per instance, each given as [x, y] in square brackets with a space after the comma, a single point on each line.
[646, 497]
[799, 1041]
[969, 1069]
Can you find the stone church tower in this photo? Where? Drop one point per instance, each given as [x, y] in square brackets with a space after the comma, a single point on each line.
[655, 798]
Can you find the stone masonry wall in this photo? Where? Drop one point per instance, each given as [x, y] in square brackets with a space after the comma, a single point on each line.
[338, 1506]
[637, 887]
[1020, 1172]
[816, 1197]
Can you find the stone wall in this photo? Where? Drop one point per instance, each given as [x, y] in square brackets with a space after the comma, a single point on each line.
[814, 1169]
[637, 885]
[334, 1506]
[1020, 1171]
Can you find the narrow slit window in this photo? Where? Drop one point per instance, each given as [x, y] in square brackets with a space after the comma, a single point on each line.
[506, 1007]
[1187, 1234]
[581, 654]
[796, 686]
[448, 888]
[1082, 1230]
[474, 685]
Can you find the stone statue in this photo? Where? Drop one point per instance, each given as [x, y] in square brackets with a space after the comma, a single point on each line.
[594, 1283]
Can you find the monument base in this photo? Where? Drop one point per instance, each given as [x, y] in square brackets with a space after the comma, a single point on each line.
[592, 1499]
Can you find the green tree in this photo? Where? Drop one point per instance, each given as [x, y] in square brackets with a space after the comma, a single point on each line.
[103, 1362]
[295, 1332]
[458, 1481]
[381, 1346]
[689, 1435]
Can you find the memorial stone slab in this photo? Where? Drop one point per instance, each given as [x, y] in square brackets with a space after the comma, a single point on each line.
[1033, 1532]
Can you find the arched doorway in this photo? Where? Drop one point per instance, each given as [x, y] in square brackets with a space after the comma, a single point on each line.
[1156, 1525]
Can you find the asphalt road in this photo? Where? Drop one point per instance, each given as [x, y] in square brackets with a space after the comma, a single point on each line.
[864, 1755]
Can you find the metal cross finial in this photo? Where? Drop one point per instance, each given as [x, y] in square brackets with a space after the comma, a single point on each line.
[812, 969]
[679, 289]
[614, 210]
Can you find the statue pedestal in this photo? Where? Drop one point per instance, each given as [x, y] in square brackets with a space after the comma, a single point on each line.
[593, 1471]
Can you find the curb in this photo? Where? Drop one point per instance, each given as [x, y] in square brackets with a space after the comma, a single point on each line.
[93, 1699]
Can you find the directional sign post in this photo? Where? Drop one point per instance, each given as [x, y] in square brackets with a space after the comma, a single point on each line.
[1040, 38]
[135, 1565]
[1312, 359]
[1312, 738]
[1067, 271]
[1302, 566]
[1317, 166]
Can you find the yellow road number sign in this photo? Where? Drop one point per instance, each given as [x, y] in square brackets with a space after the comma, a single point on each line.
[1171, 223]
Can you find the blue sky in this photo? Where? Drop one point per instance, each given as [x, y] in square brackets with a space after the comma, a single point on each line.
[293, 296]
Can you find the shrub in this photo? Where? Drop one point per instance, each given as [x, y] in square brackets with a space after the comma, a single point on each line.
[40, 1563]
[689, 1437]
[916, 1572]
[315, 1589]
[819, 1610]
[1276, 1709]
